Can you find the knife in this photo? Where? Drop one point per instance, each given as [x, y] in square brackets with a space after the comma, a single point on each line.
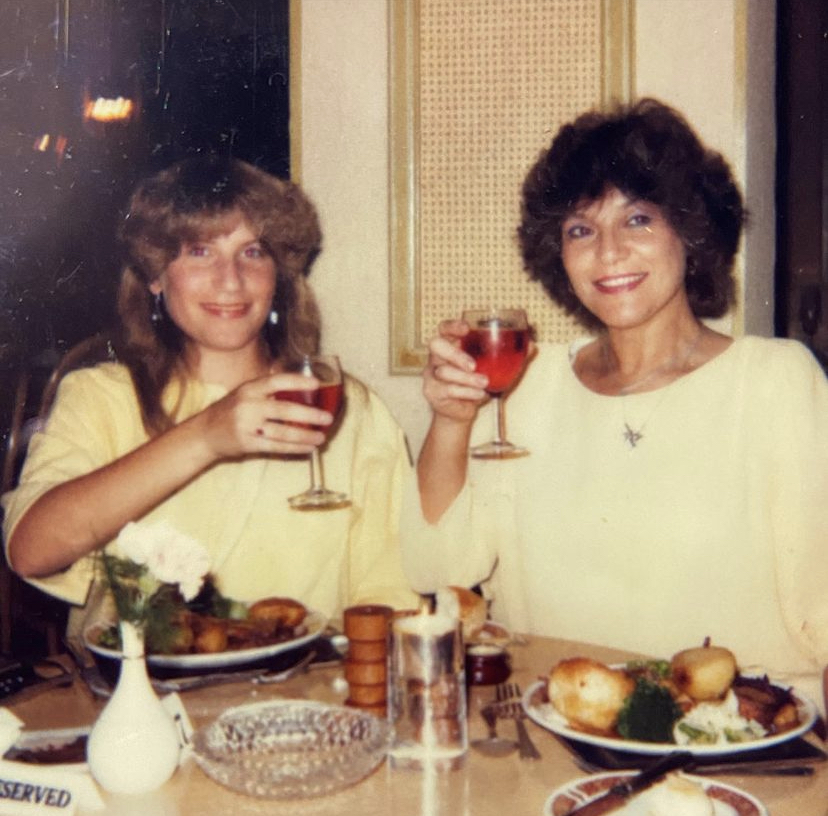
[619, 794]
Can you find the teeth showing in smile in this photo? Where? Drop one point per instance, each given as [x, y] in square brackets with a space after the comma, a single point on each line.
[620, 282]
[234, 310]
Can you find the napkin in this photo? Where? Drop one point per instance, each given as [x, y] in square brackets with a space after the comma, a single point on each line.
[175, 708]
[10, 728]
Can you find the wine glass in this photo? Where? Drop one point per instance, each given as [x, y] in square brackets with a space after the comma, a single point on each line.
[325, 368]
[498, 339]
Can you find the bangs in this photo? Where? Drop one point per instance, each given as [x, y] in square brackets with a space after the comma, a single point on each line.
[194, 227]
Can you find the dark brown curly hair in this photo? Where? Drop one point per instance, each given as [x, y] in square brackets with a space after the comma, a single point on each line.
[647, 151]
[195, 200]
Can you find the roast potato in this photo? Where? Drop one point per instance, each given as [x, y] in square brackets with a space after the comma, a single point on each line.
[588, 693]
[703, 673]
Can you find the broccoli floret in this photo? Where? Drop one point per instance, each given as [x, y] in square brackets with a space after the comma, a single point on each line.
[649, 713]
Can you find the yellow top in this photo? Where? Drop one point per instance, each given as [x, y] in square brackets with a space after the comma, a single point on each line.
[715, 524]
[259, 546]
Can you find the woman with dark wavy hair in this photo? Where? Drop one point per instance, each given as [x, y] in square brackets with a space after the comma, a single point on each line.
[185, 429]
[670, 466]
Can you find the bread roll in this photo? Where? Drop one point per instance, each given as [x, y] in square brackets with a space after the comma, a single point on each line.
[588, 693]
[467, 606]
[277, 611]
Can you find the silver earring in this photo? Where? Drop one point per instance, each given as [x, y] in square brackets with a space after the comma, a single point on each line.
[157, 314]
[273, 317]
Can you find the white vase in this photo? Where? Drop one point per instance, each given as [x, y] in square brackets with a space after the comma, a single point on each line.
[133, 746]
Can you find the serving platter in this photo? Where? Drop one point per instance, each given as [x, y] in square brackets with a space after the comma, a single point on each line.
[727, 800]
[311, 628]
[544, 714]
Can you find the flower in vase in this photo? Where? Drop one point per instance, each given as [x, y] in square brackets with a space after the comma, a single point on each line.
[156, 562]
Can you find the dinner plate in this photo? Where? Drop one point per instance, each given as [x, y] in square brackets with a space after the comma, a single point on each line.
[727, 800]
[311, 628]
[545, 715]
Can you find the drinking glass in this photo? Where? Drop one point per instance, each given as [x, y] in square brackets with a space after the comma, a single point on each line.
[498, 339]
[427, 693]
[325, 368]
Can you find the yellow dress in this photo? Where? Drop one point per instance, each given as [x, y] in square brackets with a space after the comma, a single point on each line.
[714, 524]
[259, 546]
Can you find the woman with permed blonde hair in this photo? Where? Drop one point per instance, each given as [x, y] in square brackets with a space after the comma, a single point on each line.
[671, 468]
[185, 428]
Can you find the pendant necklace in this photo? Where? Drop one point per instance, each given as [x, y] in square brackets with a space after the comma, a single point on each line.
[632, 435]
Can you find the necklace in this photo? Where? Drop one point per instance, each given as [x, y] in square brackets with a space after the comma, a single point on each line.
[632, 435]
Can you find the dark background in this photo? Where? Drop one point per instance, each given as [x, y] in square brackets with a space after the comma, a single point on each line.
[802, 174]
[206, 75]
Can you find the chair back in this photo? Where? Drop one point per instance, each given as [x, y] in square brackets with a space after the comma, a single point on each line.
[15, 443]
[89, 352]
[22, 606]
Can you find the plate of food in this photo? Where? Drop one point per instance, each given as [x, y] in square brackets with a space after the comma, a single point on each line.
[678, 793]
[697, 701]
[192, 641]
[62, 748]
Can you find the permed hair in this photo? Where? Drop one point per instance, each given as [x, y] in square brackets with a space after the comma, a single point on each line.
[647, 151]
[195, 200]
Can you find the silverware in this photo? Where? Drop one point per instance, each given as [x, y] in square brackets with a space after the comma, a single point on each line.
[755, 769]
[508, 704]
[619, 794]
[740, 768]
[260, 676]
[492, 744]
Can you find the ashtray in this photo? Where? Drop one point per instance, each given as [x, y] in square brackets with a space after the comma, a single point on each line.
[290, 749]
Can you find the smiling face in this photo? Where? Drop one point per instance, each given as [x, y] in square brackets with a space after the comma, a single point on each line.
[219, 291]
[624, 260]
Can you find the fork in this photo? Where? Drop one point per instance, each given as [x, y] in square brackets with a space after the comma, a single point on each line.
[507, 704]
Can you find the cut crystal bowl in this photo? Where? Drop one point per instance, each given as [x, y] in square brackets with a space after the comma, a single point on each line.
[290, 749]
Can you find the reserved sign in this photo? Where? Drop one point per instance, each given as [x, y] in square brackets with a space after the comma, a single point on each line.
[27, 793]
[29, 789]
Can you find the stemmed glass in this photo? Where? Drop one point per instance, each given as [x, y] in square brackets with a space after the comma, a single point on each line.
[325, 368]
[498, 339]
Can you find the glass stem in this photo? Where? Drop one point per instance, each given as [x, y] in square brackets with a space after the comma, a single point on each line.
[317, 485]
[500, 424]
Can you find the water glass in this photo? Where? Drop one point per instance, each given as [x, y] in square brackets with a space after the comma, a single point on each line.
[427, 693]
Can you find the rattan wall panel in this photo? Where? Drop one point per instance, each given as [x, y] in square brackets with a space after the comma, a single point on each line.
[497, 78]
[488, 82]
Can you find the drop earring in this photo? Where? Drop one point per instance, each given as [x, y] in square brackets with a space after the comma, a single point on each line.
[273, 317]
[157, 315]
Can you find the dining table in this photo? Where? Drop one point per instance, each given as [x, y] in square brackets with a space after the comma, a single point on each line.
[483, 786]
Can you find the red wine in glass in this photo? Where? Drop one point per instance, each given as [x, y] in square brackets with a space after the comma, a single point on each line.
[326, 370]
[326, 397]
[498, 339]
[500, 353]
